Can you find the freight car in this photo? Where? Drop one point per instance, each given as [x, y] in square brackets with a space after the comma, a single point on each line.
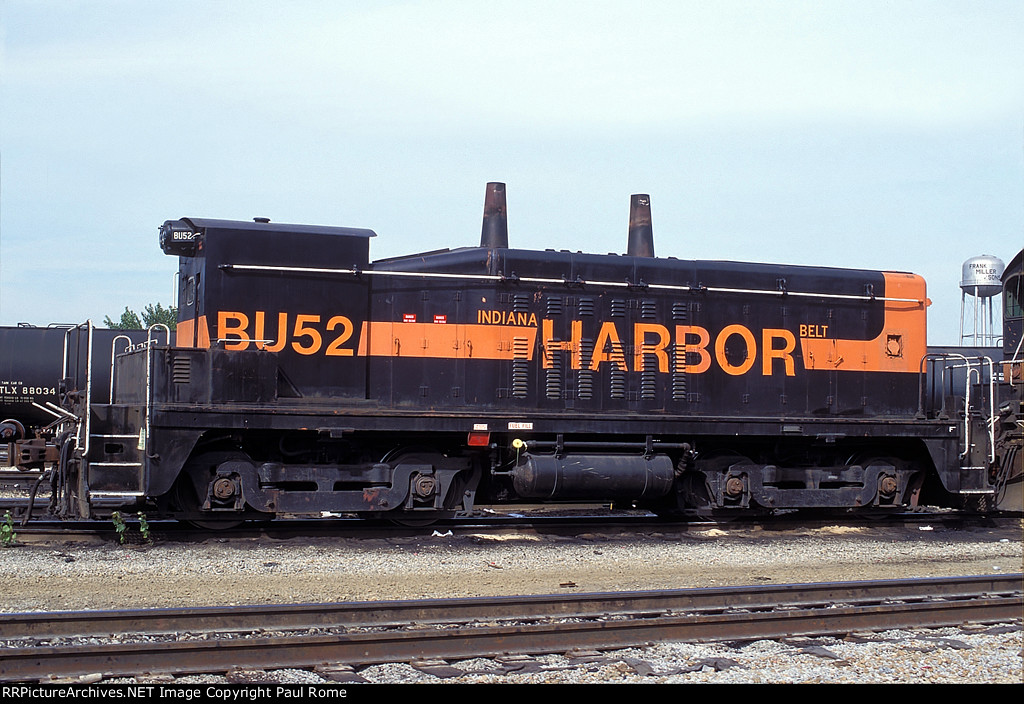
[307, 378]
[34, 361]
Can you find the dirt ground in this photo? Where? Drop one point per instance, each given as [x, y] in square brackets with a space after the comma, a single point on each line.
[92, 573]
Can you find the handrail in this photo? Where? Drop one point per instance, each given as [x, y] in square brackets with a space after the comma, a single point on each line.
[113, 357]
[991, 421]
[991, 409]
[974, 367]
[934, 356]
[144, 444]
[154, 326]
[967, 409]
[88, 388]
[83, 423]
[543, 280]
[86, 425]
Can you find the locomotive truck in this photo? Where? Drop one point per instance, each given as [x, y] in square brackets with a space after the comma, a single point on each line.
[307, 378]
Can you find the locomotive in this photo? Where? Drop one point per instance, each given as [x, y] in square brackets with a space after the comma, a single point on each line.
[306, 380]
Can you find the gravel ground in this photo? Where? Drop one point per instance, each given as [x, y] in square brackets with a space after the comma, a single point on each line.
[92, 574]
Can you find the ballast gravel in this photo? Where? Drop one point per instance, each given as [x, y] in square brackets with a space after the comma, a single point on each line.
[69, 574]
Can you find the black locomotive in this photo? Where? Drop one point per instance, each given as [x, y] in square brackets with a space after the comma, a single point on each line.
[307, 379]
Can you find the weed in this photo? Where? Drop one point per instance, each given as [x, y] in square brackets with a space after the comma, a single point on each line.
[119, 525]
[7, 534]
[144, 526]
[123, 532]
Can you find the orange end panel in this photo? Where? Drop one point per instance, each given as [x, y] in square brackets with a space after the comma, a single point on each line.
[901, 345]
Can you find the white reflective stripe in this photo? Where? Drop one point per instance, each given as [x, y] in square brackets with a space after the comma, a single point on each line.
[535, 280]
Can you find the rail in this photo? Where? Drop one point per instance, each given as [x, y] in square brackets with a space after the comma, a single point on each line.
[375, 632]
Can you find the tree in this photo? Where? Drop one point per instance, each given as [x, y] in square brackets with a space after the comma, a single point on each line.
[151, 315]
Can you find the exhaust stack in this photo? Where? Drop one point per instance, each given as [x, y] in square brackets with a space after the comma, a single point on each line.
[494, 234]
[641, 232]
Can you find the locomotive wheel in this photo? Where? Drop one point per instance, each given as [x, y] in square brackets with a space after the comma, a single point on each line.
[866, 459]
[422, 519]
[187, 501]
[191, 485]
[718, 462]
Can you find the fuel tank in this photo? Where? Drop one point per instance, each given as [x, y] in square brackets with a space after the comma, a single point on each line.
[593, 476]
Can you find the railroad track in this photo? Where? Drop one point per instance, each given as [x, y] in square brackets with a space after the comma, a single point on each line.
[212, 640]
[42, 528]
[567, 519]
[14, 478]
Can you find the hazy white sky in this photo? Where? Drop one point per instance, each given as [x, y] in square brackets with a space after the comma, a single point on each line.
[867, 134]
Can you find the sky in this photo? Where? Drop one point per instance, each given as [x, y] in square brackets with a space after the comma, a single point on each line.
[866, 134]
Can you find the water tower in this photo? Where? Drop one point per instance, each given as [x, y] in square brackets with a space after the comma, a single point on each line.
[982, 281]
